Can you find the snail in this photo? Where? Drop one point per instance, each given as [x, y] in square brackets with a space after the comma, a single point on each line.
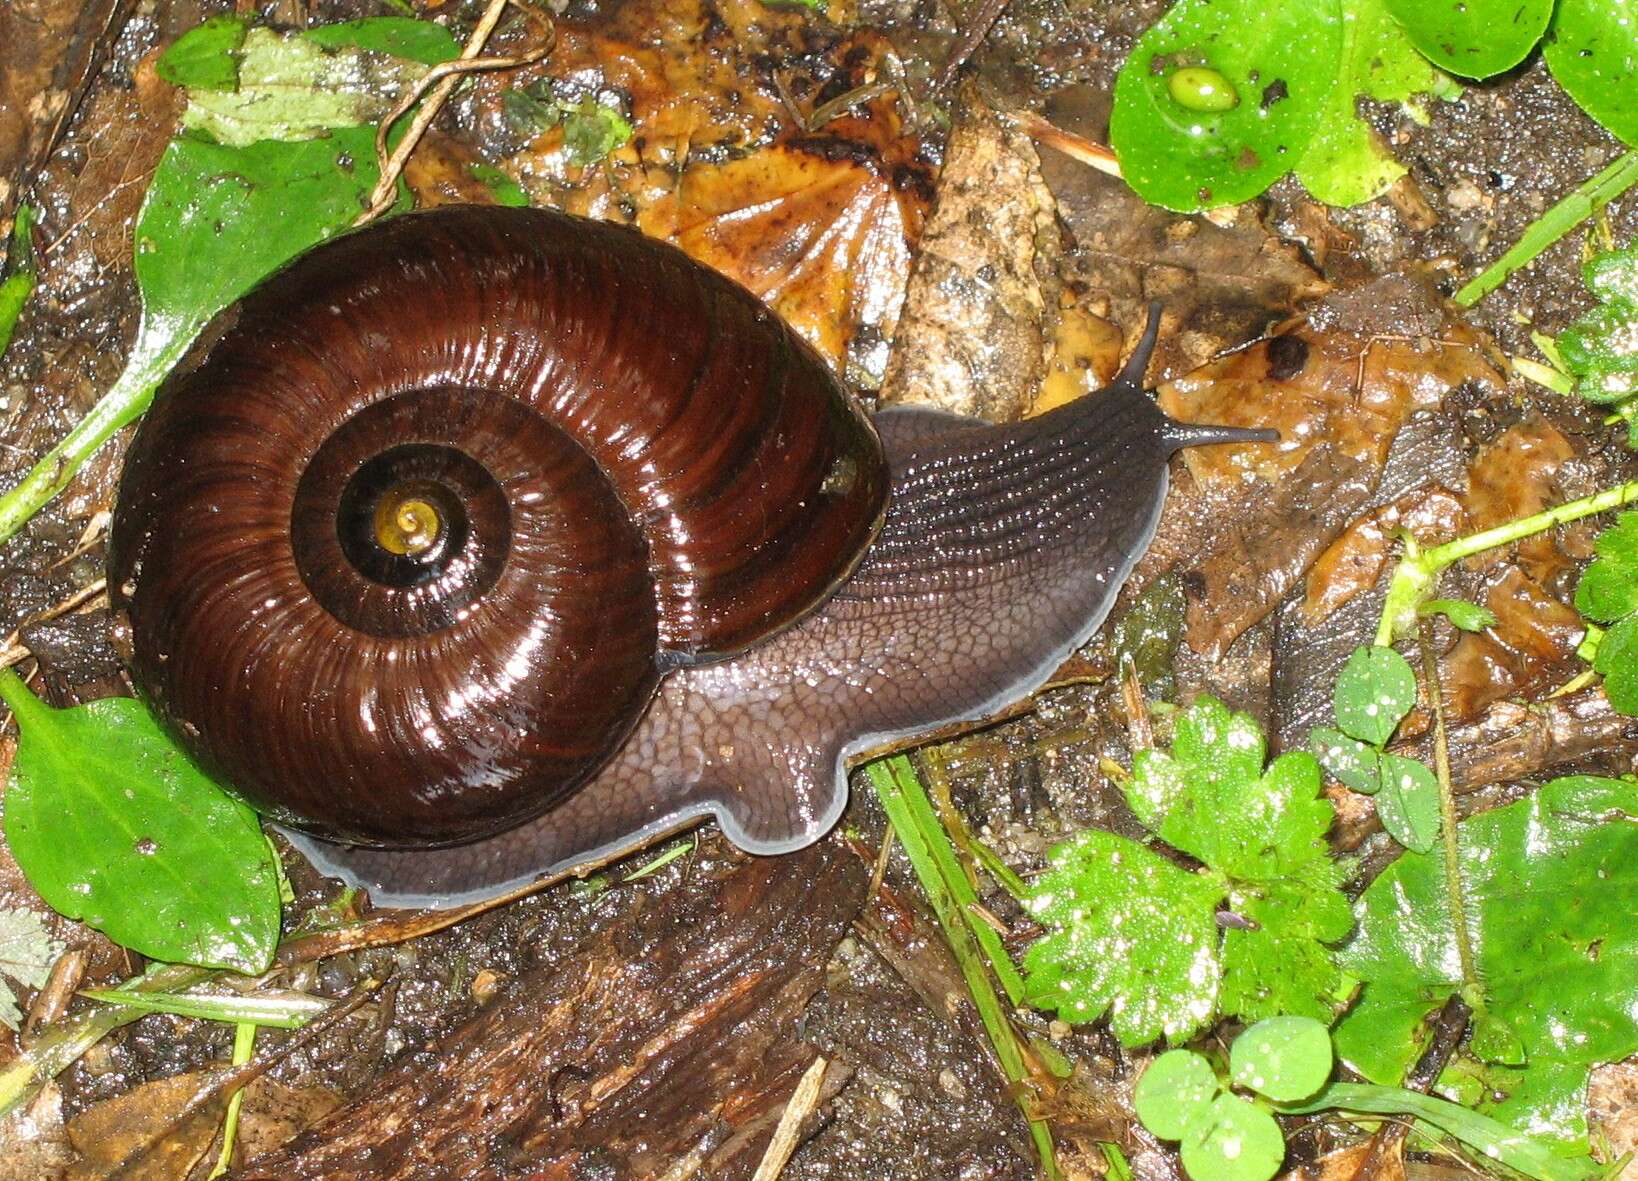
[482, 542]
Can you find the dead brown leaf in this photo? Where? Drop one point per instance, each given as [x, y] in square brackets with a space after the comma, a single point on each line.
[157, 1132]
[1256, 517]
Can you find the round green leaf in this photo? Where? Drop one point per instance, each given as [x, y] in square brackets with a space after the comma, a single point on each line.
[1278, 61]
[1374, 692]
[1407, 803]
[1592, 49]
[1286, 1058]
[1350, 761]
[1473, 38]
[1237, 1142]
[113, 825]
[1175, 1093]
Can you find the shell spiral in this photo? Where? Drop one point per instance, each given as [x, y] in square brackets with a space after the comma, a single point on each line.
[406, 543]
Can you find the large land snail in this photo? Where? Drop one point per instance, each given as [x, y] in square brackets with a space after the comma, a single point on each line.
[484, 541]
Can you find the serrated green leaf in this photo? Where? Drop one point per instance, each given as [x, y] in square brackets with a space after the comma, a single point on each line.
[1470, 617]
[1374, 692]
[1175, 1092]
[27, 952]
[1128, 933]
[398, 36]
[1608, 589]
[1346, 161]
[1353, 763]
[1280, 59]
[1592, 50]
[1287, 1059]
[1237, 1142]
[1283, 964]
[1558, 959]
[206, 57]
[1407, 803]
[1473, 38]
[113, 825]
[1617, 659]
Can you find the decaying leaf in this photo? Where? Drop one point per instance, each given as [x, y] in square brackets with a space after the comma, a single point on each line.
[26, 955]
[156, 1132]
[1338, 389]
[726, 160]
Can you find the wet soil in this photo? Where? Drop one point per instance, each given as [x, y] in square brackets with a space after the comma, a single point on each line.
[917, 1097]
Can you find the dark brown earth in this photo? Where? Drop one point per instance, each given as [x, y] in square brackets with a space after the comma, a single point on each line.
[612, 1027]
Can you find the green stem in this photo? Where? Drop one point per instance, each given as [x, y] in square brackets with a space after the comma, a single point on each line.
[1455, 887]
[1489, 1138]
[1553, 225]
[244, 1045]
[20, 699]
[122, 404]
[933, 858]
[1418, 571]
[62, 1044]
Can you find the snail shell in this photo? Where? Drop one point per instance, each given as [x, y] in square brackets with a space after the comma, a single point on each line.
[405, 545]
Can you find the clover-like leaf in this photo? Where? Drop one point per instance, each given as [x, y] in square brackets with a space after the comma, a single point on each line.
[1353, 763]
[1374, 692]
[1287, 1059]
[1407, 802]
[1593, 53]
[1175, 1092]
[1474, 38]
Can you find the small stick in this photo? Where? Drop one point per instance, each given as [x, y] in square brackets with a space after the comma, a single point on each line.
[441, 80]
[1076, 147]
[788, 1134]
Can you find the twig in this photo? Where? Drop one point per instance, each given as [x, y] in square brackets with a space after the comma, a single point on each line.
[91, 594]
[1076, 147]
[1448, 1029]
[982, 20]
[788, 1134]
[441, 80]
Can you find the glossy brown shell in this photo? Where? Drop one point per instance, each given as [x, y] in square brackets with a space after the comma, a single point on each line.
[647, 469]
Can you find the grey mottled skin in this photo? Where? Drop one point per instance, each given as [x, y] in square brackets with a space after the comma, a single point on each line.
[1002, 551]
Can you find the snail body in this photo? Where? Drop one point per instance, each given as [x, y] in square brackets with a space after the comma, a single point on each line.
[483, 542]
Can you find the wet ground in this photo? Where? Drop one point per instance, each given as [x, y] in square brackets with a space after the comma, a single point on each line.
[918, 1099]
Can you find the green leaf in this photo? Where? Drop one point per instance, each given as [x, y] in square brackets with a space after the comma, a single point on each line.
[1346, 161]
[112, 824]
[27, 952]
[1494, 1041]
[505, 190]
[1287, 1059]
[1473, 38]
[1283, 963]
[1592, 50]
[398, 36]
[1374, 692]
[1237, 1142]
[279, 1010]
[290, 86]
[206, 57]
[1489, 1140]
[1558, 957]
[1470, 617]
[592, 131]
[1617, 659]
[21, 273]
[1280, 57]
[1407, 803]
[1174, 1093]
[1127, 932]
[1352, 762]
[1608, 589]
